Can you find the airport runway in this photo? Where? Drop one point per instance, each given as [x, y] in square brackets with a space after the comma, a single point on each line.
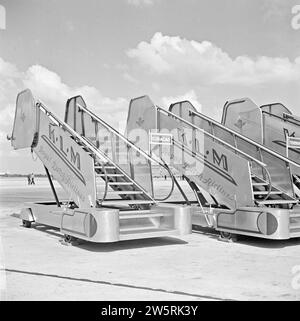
[36, 266]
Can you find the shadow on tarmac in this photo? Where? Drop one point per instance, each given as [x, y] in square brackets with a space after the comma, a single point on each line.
[116, 246]
[250, 240]
[163, 241]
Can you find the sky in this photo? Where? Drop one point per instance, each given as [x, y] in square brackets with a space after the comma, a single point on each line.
[110, 51]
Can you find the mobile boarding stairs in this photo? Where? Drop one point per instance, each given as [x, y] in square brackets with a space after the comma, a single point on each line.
[242, 186]
[91, 160]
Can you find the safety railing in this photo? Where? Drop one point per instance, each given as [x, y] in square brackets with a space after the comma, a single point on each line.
[41, 107]
[134, 162]
[276, 163]
[275, 109]
[252, 160]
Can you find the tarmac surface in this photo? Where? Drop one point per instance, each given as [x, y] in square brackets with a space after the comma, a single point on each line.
[34, 265]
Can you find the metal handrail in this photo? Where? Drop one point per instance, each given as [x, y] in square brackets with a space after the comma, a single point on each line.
[90, 146]
[250, 158]
[286, 160]
[248, 140]
[285, 117]
[132, 145]
[172, 187]
[213, 137]
[274, 104]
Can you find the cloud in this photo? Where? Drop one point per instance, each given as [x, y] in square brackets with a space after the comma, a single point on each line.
[204, 63]
[48, 86]
[140, 2]
[190, 96]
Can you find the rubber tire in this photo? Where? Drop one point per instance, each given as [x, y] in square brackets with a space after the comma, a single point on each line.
[68, 238]
[26, 224]
[228, 236]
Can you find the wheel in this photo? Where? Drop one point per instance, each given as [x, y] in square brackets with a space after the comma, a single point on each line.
[228, 237]
[26, 223]
[68, 238]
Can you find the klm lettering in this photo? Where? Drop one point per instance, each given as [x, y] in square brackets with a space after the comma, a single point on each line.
[220, 160]
[68, 152]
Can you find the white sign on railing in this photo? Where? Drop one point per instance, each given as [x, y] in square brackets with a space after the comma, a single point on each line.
[160, 139]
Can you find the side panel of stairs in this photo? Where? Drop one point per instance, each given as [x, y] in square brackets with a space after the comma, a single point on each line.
[128, 174]
[278, 167]
[218, 170]
[274, 127]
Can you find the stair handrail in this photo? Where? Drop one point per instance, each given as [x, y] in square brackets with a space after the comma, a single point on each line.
[97, 152]
[136, 148]
[262, 147]
[236, 150]
[285, 117]
[274, 104]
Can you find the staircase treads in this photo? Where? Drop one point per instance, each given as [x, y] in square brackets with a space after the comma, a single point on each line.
[126, 202]
[126, 192]
[276, 202]
[266, 193]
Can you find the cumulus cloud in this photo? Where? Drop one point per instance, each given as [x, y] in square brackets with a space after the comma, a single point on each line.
[204, 63]
[48, 86]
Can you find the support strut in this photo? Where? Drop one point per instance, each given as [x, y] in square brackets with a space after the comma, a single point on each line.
[52, 187]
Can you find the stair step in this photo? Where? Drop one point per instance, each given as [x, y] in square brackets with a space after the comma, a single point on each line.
[120, 183]
[266, 193]
[126, 192]
[294, 234]
[126, 202]
[146, 233]
[110, 175]
[294, 226]
[140, 215]
[276, 202]
[106, 167]
[126, 212]
[136, 228]
[260, 184]
[253, 176]
[295, 215]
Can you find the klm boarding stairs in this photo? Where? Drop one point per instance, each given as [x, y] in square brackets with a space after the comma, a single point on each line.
[92, 161]
[242, 186]
[278, 130]
[281, 132]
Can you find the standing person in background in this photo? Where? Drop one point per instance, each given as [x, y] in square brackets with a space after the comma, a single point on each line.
[29, 179]
[32, 179]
